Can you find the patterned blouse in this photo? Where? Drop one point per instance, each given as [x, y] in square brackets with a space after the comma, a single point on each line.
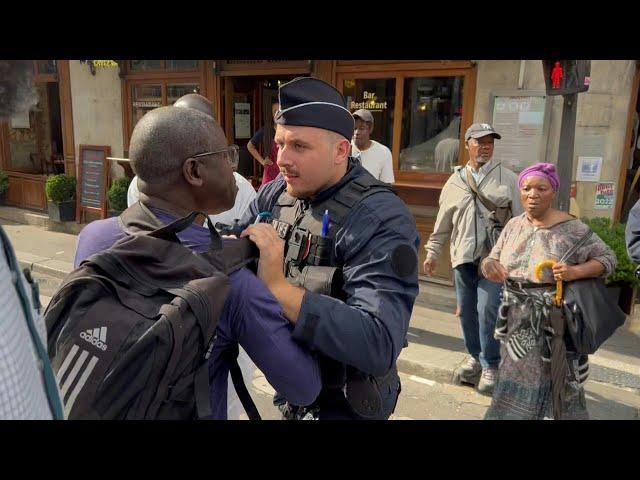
[522, 246]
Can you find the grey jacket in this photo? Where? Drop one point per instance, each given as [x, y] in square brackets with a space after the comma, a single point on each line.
[461, 218]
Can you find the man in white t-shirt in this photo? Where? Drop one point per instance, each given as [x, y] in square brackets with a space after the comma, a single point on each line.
[374, 156]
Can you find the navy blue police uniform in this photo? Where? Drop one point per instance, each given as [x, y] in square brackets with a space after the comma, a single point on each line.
[360, 275]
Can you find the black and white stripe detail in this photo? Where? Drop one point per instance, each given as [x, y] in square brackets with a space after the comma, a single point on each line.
[72, 383]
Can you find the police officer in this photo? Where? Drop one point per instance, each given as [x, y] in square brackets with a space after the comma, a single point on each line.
[348, 245]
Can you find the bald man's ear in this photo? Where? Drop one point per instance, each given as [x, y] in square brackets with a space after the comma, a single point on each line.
[192, 173]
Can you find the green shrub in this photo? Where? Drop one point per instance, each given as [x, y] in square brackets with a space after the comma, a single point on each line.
[117, 194]
[613, 236]
[60, 188]
[4, 182]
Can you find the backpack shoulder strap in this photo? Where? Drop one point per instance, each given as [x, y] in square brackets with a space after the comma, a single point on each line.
[576, 246]
[489, 205]
[234, 255]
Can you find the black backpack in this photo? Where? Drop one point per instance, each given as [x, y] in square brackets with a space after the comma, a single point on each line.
[131, 329]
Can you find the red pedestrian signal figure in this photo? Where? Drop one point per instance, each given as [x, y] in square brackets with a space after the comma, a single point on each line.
[556, 75]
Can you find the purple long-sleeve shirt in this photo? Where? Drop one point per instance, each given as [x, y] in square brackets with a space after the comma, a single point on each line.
[251, 317]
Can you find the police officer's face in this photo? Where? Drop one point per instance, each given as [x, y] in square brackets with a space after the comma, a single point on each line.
[309, 159]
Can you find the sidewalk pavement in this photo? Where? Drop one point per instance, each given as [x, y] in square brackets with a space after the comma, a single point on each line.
[435, 344]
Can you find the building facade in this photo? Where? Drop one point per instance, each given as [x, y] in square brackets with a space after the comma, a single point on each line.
[421, 111]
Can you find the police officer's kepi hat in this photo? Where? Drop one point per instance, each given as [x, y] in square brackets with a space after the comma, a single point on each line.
[310, 102]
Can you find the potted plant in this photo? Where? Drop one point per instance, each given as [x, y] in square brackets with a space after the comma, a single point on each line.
[61, 193]
[4, 186]
[622, 283]
[117, 195]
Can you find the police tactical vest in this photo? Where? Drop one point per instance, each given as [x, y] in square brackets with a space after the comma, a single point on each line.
[299, 223]
[311, 263]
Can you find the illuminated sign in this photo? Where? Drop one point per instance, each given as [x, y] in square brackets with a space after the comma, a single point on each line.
[370, 102]
[105, 63]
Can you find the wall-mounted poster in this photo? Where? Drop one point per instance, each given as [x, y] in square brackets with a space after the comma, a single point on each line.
[242, 120]
[589, 169]
[522, 119]
[605, 196]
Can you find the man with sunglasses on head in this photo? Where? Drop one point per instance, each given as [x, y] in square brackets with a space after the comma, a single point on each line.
[184, 165]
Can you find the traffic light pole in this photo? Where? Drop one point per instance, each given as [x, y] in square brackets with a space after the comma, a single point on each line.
[565, 149]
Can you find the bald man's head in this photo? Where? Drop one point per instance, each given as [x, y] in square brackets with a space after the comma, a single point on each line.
[196, 101]
[165, 137]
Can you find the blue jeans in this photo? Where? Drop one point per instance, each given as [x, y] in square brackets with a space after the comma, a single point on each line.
[478, 299]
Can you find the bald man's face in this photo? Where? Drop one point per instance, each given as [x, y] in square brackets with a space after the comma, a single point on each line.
[219, 189]
[310, 159]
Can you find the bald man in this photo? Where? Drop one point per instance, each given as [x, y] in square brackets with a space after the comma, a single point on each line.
[184, 165]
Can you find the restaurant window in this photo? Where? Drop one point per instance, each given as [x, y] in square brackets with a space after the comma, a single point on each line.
[431, 116]
[378, 96]
[47, 67]
[145, 65]
[182, 65]
[164, 65]
[146, 97]
[175, 91]
[35, 135]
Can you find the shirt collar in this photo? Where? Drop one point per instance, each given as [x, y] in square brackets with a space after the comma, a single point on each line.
[483, 169]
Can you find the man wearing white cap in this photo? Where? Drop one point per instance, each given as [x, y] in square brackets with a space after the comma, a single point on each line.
[475, 202]
[374, 156]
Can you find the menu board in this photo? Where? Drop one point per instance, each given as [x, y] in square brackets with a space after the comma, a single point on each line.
[93, 175]
[522, 119]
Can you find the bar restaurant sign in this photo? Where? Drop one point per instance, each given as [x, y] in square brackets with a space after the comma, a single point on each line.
[370, 102]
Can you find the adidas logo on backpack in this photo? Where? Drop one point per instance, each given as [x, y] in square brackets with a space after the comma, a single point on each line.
[96, 337]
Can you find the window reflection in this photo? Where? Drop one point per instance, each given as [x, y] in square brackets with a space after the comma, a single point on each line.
[430, 136]
[377, 96]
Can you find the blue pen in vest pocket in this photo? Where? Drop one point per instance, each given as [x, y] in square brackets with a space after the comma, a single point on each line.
[325, 224]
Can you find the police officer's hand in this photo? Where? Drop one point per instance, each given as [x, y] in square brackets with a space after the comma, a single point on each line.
[271, 264]
[430, 265]
[494, 271]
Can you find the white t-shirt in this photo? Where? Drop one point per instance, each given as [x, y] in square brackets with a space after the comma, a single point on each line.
[377, 160]
[244, 197]
[133, 194]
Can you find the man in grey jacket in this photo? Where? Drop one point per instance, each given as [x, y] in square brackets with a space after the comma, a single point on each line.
[462, 221]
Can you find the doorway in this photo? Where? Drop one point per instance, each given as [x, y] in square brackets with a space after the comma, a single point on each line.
[246, 102]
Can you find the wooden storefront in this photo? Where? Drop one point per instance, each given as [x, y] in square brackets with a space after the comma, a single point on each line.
[40, 142]
[421, 110]
[416, 105]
